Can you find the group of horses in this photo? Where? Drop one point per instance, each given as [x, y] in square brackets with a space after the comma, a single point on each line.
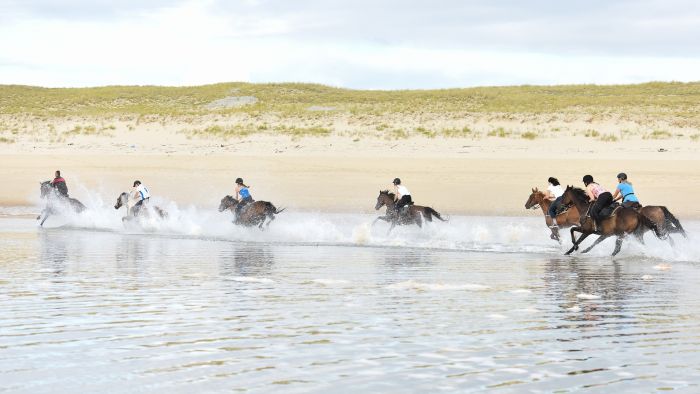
[621, 221]
[257, 213]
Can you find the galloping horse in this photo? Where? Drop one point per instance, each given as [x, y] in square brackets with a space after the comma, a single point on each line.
[56, 202]
[137, 211]
[565, 219]
[253, 214]
[409, 215]
[623, 221]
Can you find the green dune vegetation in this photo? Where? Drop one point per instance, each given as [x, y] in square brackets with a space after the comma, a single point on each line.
[234, 110]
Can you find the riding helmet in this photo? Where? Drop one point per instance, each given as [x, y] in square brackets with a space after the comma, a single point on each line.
[136, 183]
[397, 181]
[239, 180]
[587, 179]
[622, 176]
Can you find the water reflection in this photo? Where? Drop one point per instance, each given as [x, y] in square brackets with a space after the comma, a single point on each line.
[54, 252]
[248, 260]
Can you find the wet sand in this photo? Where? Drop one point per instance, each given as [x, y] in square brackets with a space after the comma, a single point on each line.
[486, 181]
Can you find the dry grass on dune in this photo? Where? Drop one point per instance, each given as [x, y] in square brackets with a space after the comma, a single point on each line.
[654, 110]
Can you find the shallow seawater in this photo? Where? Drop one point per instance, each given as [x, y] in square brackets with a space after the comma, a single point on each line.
[329, 303]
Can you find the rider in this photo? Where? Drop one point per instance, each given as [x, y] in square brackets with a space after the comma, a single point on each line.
[142, 194]
[597, 194]
[59, 184]
[556, 195]
[625, 192]
[403, 196]
[244, 193]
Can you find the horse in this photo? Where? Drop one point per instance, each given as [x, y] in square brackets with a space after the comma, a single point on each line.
[568, 218]
[135, 211]
[56, 202]
[252, 214]
[410, 214]
[621, 222]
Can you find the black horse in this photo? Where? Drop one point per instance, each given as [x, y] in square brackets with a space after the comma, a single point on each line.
[411, 214]
[57, 202]
[253, 214]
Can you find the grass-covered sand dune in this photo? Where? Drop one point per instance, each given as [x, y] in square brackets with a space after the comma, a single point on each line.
[236, 110]
[663, 99]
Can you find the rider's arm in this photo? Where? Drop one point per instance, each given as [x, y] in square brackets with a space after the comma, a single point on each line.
[396, 190]
[616, 195]
[590, 193]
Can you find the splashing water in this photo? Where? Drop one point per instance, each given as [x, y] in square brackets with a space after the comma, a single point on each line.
[466, 233]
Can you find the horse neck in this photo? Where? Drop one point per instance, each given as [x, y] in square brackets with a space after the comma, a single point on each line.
[544, 204]
[389, 202]
[582, 206]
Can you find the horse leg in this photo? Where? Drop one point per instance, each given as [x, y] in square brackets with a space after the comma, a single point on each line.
[597, 241]
[670, 241]
[271, 216]
[618, 245]
[555, 233]
[573, 240]
[418, 220]
[393, 224]
[46, 216]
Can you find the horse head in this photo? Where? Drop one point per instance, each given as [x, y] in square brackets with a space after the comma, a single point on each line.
[384, 198]
[535, 199]
[227, 202]
[574, 195]
[45, 188]
[122, 200]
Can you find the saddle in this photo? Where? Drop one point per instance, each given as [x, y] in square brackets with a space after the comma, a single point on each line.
[610, 210]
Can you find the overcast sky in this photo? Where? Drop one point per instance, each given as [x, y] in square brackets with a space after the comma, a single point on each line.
[376, 44]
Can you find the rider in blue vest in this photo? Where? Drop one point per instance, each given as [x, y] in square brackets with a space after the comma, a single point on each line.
[625, 192]
[245, 197]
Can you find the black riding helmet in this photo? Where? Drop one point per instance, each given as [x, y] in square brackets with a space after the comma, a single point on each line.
[239, 181]
[587, 179]
[397, 181]
[554, 181]
[136, 183]
[622, 176]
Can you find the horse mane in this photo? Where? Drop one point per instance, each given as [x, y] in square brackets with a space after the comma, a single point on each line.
[580, 194]
[388, 193]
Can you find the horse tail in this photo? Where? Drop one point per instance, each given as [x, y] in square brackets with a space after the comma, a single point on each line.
[650, 224]
[273, 210]
[669, 218]
[430, 212]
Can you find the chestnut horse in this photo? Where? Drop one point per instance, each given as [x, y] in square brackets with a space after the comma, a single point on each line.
[56, 202]
[253, 214]
[410, 214]
[623, 221]
[137, 211]
[565, 219]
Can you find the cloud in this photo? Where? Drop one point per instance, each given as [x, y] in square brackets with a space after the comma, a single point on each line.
[361, 44]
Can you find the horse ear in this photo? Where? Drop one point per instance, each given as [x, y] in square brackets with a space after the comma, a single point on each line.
[533, 189]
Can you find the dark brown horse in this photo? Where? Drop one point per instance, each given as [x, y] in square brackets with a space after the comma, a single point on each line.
[623, 221]
[143, 210]
[56, 202]
[568, 218]
[252, 214]
[410, 214]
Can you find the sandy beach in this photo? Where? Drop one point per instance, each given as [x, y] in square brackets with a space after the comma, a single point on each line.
[455, 176]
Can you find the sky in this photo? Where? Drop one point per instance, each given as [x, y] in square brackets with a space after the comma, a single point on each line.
[362, 44]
